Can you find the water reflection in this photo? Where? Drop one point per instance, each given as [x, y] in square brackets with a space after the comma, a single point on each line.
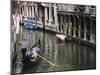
[69, 55]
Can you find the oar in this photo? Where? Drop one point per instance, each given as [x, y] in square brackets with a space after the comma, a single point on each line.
[45, 59]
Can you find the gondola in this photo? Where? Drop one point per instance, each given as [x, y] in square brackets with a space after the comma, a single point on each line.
[30, 25]
[29, 65]
[36, 49]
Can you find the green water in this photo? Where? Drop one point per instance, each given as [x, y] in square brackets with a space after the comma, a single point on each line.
[66, 56]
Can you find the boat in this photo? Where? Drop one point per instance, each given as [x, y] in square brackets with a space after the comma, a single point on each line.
[29, 65]
[61, 37]
[32, 54]
[30, 25]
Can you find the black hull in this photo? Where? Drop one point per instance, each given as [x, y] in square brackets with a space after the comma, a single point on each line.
[30, 67]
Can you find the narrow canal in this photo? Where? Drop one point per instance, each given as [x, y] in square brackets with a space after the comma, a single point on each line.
[67, 56]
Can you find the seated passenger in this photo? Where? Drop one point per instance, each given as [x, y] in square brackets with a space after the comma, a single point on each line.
[32, 55]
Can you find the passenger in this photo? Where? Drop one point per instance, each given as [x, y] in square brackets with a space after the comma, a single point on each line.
[36, 49]
[32, 55]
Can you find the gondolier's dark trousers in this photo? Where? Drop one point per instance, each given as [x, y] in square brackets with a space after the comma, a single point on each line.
[23, 50]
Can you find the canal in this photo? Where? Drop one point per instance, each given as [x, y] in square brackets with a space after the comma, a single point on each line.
[66, 56]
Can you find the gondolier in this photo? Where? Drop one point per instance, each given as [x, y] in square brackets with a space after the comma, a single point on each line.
[24, 45]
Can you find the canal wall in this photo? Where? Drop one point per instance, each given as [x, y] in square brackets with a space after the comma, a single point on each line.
[75, 21]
